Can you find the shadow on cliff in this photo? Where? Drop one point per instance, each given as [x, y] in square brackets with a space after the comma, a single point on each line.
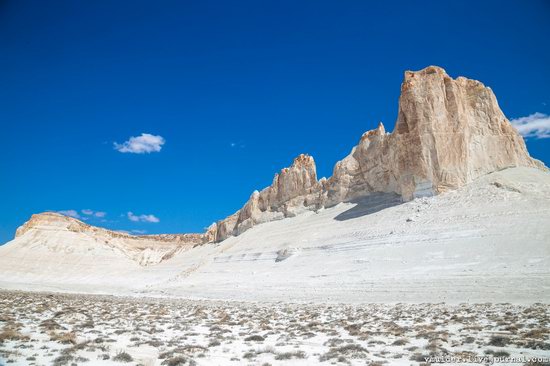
[370, 204]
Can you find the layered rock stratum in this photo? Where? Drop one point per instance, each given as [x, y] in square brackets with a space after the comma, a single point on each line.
[61, 233]
[448, 133]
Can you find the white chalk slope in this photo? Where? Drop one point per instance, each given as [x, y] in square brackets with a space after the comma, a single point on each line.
[487, 241]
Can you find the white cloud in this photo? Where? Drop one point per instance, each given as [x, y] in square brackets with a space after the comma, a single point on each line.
[535, 125]
[132, 217]
[142, 218]
[94, 213]
[146, 143]
[237, 144]
[139, 232]
[71, 213]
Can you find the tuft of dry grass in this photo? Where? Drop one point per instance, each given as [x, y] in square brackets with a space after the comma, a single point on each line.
[123, 357]
[63, 338]
[255, 338]
[349, 350]
[499, 341]
[290, 355]
[536, 333]
[11, 334]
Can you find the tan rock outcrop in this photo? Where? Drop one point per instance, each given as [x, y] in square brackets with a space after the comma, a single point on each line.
[448, 133]
[367, 169]
[226, 227]
[294, 189]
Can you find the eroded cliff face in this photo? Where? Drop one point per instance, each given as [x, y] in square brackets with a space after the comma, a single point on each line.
[368, 168]
[448, 133]
[294, 189]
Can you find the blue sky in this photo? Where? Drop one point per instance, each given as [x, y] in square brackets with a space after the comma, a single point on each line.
[228, 93]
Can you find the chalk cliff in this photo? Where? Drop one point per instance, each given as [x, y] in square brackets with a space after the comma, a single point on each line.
[448, 133]
[63, 233]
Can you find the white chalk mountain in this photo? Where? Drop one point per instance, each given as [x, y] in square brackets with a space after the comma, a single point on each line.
[447, 207]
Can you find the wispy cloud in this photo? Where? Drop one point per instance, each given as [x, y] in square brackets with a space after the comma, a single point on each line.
[146, 143]
[536, 125]
[239, 144]
[142, 218]
[89, 212]
[71, 213]
[139, 232]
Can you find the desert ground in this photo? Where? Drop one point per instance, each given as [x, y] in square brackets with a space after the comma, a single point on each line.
[58, 329]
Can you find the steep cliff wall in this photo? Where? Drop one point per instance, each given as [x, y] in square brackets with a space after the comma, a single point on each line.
[448, 133]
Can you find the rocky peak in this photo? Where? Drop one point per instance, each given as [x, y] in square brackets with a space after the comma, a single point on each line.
[50, 221]
[448, 133]
[372, 134]
[291, 182]
[303, 161]
[293, 189]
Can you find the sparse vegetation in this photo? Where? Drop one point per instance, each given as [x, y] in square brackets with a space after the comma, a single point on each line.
[347, 351]
[178, 361]
[12, 335]
[290, 355]
[499, 341]
[63, 359]
[400, 342]
[255, 338]
[63, 338]
[123, 357]
[185, 330]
